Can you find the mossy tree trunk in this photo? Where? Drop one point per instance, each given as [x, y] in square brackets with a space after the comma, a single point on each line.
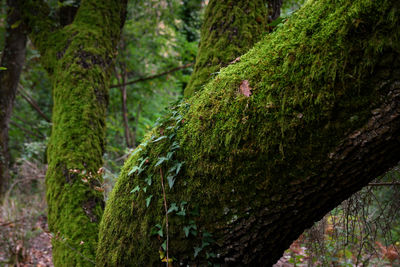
[12, 59]
[306, 118]
[230, 29]
[79, 58]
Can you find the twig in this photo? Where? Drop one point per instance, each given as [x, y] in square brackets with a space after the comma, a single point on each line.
[32, 102]
[153, 76]
[166, 213]
[11, 222]
[41, 136]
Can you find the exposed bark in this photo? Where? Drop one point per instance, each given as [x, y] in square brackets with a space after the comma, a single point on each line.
[13, 58]
[230, 28]
[322, 120]
[79, 58]
[274, 7]
[67, 12]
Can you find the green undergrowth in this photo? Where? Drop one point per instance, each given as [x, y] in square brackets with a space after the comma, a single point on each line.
[311, 82]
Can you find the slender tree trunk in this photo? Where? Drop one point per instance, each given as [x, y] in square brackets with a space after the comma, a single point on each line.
[137, 118]
[79, 58]
[306, 118]
[124, 109]
[13, 58]
[230, 29]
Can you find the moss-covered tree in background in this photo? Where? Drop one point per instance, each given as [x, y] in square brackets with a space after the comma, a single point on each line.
[230, 28]
[12, 61]
[307, 117]
[79, 58]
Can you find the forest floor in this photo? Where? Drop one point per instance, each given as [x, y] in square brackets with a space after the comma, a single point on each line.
[24, 236]
[25, 247]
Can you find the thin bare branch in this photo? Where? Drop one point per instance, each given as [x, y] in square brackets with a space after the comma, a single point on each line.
[153, 76]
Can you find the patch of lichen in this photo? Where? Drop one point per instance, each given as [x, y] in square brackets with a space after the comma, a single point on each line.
[313, 81]
[230, 29]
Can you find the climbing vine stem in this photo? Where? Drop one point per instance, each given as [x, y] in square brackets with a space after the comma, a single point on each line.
[166, 213]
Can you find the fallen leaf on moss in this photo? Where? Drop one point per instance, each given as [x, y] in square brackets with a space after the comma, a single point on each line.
[245, 88]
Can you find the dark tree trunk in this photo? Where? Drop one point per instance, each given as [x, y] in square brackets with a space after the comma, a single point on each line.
[306, 118]
[13, 58]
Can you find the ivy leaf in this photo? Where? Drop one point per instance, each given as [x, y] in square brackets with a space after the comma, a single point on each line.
[148, 180]
[3, 68]
[178, 118]
[145, 189]
[197, 251]
[171, 135]
[178, 167]
[148, 200]
[164, 245]
[160, 138]
[211, 255]
[160, 232]
[160, 161]
[169, 155]
[204, 244]
[143, 162]
[16, 24]
[145, 143]
[171, 181]
[137, 188]
[175, 145]
[181, 213]
[277, 22]
[173, 207]
[156, 230]
[134, 169]
[186, 229]
[137, 150]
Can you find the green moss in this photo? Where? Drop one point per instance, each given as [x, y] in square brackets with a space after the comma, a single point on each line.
[79, 58]
[230, 29]
[309, 81]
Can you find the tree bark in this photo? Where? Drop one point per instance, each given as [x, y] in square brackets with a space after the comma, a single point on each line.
[306, 118]
[230, 28]
[13, 58]
[79, 58]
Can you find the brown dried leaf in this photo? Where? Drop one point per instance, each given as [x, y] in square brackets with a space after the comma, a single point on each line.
[245, 88]
[235, 60]
[99, 189]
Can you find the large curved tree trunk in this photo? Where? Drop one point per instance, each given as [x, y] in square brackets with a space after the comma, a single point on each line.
[306, 118]
[79, 58]
[12, 59]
